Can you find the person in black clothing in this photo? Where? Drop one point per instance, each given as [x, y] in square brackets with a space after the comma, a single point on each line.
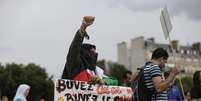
[81, 59]
[196, 89]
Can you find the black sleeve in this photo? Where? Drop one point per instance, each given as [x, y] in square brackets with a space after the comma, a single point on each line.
[194, 93]
[73, 57]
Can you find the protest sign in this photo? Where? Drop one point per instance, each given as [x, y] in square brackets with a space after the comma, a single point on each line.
[70, 90]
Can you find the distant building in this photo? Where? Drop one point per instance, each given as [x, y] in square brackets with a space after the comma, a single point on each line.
[123, 53]
[140, 51]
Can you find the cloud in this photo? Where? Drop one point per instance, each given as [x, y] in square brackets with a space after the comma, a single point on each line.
[190, 8]
[41, 31]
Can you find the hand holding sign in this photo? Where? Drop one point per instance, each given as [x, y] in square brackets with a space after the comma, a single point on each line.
[96, 80]
[175, 70]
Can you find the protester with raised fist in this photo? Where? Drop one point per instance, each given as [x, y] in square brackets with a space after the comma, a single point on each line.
[82, 57]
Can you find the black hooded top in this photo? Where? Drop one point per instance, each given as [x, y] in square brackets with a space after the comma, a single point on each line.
[79, 58]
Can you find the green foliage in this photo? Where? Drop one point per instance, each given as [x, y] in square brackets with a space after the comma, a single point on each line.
[187, 83]
[12, 75]
[118, 71]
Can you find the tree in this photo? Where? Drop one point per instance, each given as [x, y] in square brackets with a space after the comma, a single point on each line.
[187, 83]
[13, 75]
[1, 72]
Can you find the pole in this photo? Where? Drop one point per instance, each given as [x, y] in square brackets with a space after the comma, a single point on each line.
[174, 59]
[166, 26]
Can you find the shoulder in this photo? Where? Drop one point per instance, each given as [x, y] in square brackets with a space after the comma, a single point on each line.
[152, 67]
[153, 70]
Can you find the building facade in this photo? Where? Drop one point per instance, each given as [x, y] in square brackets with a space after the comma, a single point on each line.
[122, 52]
[140, 51]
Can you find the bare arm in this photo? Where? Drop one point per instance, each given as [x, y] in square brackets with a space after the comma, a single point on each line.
[162, 85]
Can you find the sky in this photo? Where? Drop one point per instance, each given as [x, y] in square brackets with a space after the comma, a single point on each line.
[40, 31]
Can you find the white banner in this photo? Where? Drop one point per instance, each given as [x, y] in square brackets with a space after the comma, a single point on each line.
[70, 90]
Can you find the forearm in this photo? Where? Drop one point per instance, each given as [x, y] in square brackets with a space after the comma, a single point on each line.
[75, 47]
[82, 29]
[78, 39]
[163, 85]
[73, 54]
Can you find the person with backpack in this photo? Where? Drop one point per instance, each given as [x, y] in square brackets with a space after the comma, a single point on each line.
[82, 57]
[150, 84]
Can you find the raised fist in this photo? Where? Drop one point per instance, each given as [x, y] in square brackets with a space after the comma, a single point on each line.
[87, 21]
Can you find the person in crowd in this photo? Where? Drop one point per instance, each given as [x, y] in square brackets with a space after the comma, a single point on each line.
[82, 57]
[22, 92]
[127, 78]
[173, 92]
[196, 89]
[153, 78]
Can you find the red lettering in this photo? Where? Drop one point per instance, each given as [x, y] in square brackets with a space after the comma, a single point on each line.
[102, 89]
[115, 90]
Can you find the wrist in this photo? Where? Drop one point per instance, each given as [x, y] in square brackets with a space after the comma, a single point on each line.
[83, 27]
[83, 33]
[81, 30]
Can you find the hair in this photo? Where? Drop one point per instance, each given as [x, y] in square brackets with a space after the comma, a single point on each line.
[196, 78]
[125, 74]
[158, 53]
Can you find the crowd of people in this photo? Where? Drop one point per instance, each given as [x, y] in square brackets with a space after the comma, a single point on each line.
[81, 64]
